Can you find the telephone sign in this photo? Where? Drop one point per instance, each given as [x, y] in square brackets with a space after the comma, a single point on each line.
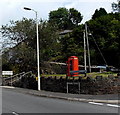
[7, 72]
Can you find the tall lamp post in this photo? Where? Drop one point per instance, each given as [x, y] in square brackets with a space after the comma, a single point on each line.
[38, 61]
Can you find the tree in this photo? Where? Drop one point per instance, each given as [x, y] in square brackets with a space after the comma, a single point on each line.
[105, 30]
[64, 18]
[19, 30]
[75, 16]
[59, 17]
[98, 13]
[49, 41]
[23, 55]
[72, 44]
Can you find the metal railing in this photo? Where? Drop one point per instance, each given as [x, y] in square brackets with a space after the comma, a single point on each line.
[15, 78]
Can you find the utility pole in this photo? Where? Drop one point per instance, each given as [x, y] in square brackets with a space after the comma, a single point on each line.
[88, 48]
[84, 51]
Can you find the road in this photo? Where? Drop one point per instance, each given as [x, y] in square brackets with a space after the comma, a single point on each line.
[15, 102]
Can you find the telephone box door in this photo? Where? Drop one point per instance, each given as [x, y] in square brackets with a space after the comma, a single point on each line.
[72, 65]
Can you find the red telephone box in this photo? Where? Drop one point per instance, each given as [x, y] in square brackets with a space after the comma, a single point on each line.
[72, 66]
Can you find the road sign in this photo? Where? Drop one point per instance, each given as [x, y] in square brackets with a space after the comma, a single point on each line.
[7, 72]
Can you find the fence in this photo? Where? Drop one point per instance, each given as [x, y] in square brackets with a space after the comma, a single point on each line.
[15, 78]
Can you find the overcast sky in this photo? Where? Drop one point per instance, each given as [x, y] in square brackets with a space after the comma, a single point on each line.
[13, 9]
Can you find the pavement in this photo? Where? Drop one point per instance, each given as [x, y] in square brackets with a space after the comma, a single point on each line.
[107, 98]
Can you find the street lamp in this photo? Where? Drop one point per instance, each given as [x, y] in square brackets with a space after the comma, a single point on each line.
[38, 62]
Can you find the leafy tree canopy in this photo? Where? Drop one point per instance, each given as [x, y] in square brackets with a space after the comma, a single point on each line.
[24, 33]
[64, 18]
[105, 30]
[98, 13]
[19, 30]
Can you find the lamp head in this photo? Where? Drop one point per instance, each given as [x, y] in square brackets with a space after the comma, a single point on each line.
[27, 8]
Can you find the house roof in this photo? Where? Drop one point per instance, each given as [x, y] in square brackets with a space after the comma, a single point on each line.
[65, 32]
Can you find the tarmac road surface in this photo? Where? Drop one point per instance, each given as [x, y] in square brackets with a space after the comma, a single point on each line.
[16, 102]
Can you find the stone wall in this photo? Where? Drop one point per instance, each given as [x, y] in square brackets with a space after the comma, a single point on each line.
[99, 85]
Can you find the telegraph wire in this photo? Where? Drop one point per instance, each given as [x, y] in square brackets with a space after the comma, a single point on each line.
[98, 47]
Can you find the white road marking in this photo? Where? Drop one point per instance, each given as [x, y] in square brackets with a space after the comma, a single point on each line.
[15, 113]
[110, 105]
[95, 103]
[113, 105]
[7, 87]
